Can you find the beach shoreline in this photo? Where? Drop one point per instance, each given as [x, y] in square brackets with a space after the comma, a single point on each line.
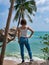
[19, 58]
[17, 61]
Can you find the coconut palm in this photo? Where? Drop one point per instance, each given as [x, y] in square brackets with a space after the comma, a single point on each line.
[24, 7]
[6, 32]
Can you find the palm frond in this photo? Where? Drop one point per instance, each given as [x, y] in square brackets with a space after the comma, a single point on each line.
[18, 1]
[29, 9]
[31, 4]
[10, 1]
[16, 15]
[29, 18]
[16, 6]
[28, 5]
[34, 8]
[22, 15]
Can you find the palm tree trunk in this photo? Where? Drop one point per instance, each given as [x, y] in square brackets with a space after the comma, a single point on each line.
[18, 24]
[22, 12]
[6, 33]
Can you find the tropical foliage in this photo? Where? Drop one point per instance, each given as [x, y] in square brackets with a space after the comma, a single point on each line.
[24, 7]
[45, 40]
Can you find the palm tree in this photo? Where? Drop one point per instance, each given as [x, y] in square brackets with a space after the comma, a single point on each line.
[22, 8]
[6, 32]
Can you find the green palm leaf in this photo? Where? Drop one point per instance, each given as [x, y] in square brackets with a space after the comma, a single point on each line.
[30, 2]
[24, 5]
[16, 6]
[20, 1]
[29, 9]
[17, 15]
[29, 18]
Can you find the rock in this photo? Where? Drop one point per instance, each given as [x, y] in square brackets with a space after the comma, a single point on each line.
[11, 34]
[28, 63]
[44, 63]
[47, 62]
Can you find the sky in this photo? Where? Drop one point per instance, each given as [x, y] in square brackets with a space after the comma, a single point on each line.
[40, 20]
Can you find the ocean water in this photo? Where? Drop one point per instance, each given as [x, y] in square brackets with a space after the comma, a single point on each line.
[13, 49]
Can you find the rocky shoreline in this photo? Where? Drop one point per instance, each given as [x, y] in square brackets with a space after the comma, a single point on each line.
[11, 35]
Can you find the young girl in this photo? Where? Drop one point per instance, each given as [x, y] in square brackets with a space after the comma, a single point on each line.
[23, 39]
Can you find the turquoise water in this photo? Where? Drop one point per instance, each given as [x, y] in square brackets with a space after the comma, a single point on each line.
[12, 49]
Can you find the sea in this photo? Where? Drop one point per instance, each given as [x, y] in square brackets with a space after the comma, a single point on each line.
[13, 49]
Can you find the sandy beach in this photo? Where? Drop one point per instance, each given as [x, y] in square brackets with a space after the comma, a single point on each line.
[14, 61]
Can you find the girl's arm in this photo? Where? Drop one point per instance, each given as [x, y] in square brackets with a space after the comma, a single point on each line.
[31, 31]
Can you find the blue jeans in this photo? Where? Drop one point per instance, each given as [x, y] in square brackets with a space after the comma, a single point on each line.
[24, 41]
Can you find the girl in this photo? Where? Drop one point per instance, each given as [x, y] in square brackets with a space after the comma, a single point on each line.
[23, 39]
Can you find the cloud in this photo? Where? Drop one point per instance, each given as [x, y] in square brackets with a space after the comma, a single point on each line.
[42, 5]
[5, 2]
[47, 20]
[39, 2]
[43, 9]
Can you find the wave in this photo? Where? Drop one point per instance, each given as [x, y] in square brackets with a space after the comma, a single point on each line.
[17, 55]
[19, 59]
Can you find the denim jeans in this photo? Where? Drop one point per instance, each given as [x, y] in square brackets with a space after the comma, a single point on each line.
[24, 41]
